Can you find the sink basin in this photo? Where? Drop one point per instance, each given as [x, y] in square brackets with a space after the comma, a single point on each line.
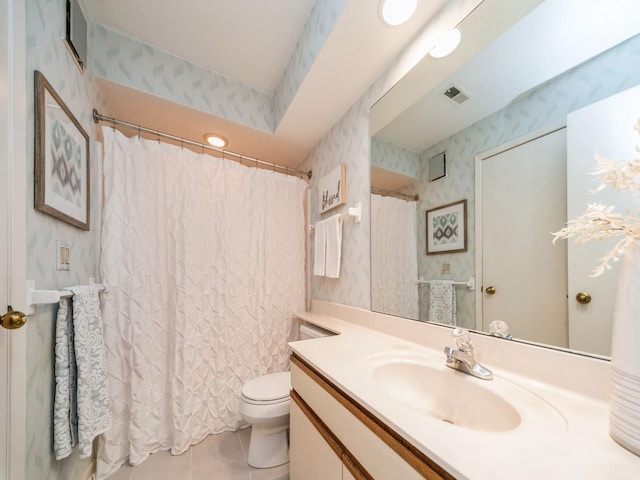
[424, 388]
[446, 395]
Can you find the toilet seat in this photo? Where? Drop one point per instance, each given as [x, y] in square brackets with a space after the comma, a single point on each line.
[268, 389]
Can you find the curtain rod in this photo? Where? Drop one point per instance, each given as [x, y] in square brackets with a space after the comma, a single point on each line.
[391, 193]
[97, 117]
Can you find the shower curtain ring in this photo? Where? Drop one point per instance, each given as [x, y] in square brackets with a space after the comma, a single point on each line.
[138, 132]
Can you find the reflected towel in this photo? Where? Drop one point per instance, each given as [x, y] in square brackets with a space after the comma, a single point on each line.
[65, 415]
[442, 302]
[319, 248]
[334, 246]
[94, 416]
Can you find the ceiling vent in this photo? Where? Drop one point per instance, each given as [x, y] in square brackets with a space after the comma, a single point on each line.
[456, 94]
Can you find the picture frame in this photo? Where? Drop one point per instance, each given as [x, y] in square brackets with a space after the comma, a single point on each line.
[62, 163]
[447, 228]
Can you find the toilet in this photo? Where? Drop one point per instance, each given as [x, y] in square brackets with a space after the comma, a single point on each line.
[264, 405]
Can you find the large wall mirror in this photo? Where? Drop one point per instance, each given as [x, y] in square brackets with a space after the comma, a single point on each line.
[519, 111]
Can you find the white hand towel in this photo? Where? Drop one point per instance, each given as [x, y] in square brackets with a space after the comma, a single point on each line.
[334, 246]
[94, 416]
[442, 302]
[319, 248]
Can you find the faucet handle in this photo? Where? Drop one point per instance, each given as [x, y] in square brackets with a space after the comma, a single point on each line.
[461, 339]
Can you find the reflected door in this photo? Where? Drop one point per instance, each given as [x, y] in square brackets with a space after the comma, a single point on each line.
[524, 275]
[605, 128]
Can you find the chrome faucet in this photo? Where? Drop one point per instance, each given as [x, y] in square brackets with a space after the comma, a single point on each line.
[462, 359]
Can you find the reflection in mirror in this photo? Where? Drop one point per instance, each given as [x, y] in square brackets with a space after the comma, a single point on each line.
[523, 88]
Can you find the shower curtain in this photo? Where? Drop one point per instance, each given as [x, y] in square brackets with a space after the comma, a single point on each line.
[204, 263]
[394, 264]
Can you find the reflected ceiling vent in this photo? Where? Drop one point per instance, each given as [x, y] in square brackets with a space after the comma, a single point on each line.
[456, 94]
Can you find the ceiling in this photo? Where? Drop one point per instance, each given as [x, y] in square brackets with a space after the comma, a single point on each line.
[553, 38]
[251, 41]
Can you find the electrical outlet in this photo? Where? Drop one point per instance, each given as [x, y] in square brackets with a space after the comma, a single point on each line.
[63, 256]
[446, 268]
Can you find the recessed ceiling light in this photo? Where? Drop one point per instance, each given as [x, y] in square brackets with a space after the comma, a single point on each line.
[396, 12]
[216, 140]
[446, 45]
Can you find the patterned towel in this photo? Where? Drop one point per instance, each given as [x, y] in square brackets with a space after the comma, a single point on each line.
[442, 302]
[94, 416]
[65, 415]
[81, 406]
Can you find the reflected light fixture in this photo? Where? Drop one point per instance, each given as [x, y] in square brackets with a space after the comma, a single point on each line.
[396, 12]
[216, 140]
[446, 45]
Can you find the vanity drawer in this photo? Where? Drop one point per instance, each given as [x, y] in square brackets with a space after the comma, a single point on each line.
[354, 432]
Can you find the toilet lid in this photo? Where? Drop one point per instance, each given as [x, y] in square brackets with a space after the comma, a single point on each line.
[274, 386]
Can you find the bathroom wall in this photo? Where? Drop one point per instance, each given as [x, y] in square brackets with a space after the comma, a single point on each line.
[322, 18]
[349, 142]
[394, 158]
[127, 61]
[611, 72]
[45, 22]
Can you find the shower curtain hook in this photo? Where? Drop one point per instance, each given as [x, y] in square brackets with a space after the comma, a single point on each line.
[113, 123]
[138, 132]
[256, 162]
[158, 135]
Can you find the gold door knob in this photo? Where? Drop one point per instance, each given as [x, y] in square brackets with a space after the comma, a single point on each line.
[583, 298]
[490, 290]
[13, 319]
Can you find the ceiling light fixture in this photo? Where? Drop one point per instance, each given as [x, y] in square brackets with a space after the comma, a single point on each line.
[216, 140]
[446, 45]
[396, 12]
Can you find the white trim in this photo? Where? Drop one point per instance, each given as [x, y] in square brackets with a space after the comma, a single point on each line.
[479, 158]
[15, 113]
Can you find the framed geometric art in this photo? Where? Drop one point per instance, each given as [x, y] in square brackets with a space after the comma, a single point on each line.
[61, 159]
[447, 228]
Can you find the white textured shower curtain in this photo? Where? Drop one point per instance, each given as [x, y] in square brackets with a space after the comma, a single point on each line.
[394, 264]
[204, 263]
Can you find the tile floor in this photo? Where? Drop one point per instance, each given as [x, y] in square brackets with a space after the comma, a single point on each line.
[217, 457]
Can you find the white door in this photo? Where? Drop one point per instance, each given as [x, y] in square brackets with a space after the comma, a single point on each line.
[523, 200]
[605, 128]
[12, 236]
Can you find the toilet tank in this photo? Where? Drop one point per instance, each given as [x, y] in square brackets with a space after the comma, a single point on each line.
[309, 331]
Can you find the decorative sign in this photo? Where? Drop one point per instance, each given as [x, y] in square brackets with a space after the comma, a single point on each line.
[332, 189]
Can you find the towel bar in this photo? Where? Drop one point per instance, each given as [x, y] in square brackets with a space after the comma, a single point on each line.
[41, 297]
[470, 284]
[355, 212]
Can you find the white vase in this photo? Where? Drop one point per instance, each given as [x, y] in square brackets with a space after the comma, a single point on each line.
[624, 410]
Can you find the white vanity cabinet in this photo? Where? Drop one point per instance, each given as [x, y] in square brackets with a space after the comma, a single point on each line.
[334, 437]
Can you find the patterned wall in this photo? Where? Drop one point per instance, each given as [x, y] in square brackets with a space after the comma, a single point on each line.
[609, 73]
[45, 20]
[349, 142]
[322, 18]
[392, 157]
[127, 61]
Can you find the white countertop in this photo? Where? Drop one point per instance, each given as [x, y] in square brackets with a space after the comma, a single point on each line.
[563, 434]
